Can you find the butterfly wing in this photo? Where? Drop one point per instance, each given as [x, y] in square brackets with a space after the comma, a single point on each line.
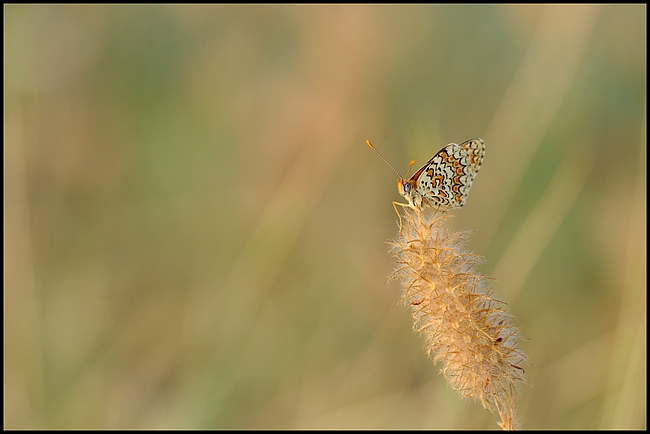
[476, 150]
[447, 177]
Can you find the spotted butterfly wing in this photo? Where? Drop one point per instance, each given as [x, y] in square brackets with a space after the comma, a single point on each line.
[476, 150]
[445, 180]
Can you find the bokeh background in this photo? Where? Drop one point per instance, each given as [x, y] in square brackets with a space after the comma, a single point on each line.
[195, 229]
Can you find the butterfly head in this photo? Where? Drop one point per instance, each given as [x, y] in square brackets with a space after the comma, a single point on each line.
[407, 189]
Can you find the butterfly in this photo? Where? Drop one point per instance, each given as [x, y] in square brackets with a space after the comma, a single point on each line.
[444, 181]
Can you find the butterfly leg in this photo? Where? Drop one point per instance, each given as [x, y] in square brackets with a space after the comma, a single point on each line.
[405, 205]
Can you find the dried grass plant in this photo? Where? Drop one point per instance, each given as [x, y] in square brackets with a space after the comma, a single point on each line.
[468, 331]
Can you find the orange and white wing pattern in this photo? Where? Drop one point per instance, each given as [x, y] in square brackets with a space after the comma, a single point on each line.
[447, 177]
[476, 150]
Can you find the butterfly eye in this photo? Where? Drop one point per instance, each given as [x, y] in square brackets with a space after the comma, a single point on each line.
[407, 187]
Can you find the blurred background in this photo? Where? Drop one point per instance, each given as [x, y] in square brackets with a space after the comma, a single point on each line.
[195, 230]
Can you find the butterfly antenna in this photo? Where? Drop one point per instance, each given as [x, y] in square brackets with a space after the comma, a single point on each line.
[382, 157]
[409, 171]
